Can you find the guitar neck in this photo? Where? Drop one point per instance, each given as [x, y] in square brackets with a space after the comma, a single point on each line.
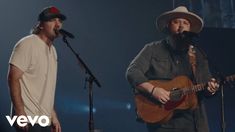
[194, 88]
[202, 86]
[230, 78]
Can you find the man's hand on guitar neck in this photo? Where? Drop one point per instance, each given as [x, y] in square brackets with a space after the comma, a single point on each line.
[213, 86]
[158, 93]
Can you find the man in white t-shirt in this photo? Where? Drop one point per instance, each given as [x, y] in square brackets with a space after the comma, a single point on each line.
[32, 72]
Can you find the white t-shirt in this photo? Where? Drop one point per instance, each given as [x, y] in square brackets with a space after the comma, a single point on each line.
[39, 64]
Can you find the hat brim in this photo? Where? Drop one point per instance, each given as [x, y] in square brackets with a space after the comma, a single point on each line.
[51, 16]
[164, 19]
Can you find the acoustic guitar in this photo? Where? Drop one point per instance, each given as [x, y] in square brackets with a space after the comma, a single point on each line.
[182, 97]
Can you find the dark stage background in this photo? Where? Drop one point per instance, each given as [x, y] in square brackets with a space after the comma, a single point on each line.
[109, 33]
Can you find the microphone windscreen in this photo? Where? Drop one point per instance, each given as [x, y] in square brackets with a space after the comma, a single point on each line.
[66, 33]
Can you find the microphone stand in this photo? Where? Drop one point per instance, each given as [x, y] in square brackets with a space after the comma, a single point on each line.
[222, 108]
[223, 123]
[90, 78]
[221, 78]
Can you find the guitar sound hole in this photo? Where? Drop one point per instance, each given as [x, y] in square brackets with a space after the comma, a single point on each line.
[175, 94]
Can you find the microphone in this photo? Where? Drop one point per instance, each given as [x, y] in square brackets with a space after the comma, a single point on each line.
[186, 38]
[65, 33]
[189, 35]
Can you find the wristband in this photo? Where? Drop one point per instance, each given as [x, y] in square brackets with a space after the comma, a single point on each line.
[151, 94]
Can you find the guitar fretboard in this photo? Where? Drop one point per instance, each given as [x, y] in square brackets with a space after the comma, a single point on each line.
[194, 88]
[202, 86]
[230, 78]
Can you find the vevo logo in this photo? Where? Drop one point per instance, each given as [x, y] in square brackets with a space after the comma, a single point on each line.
[23, 120]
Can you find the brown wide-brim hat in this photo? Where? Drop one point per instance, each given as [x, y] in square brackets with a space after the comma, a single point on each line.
[196, 22]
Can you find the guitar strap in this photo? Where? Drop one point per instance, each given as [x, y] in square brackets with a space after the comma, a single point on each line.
[192, 60]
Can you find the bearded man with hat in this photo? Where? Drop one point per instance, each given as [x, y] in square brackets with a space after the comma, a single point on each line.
[168, 59]
[33, 71]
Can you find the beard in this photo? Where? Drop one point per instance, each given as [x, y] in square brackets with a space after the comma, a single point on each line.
[52, 35]
[57, 33]
[180, 42]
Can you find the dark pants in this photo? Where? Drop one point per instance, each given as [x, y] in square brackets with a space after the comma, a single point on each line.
[182, 121]
[156, 128]
[35, 128]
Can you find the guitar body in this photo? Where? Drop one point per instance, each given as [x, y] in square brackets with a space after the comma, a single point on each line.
[152, 111]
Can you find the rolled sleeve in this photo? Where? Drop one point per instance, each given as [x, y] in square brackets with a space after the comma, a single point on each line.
[135, 73]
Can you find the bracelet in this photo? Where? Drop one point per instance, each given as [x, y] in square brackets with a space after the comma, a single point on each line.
[151, 94]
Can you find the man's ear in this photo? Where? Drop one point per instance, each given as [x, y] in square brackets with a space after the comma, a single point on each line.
[40, 25]
[166, 29]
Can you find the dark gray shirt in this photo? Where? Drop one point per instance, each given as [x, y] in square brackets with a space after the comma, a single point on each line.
[159, 60]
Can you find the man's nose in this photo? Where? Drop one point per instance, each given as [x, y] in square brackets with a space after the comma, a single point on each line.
[58, 24]
[180, 29]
